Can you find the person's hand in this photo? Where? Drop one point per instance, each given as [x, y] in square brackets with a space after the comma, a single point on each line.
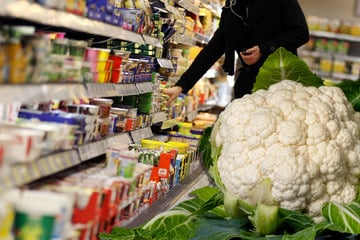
[251, 55]
[173, 93]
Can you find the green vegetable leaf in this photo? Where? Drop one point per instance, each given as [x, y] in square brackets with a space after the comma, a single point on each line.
[119, 233]
[351, 90]
[205, 148]
[172, 224]
[307, 233]
[345, 218]
[281, 65]
[220, 229]
[265, 219]
[295, 221]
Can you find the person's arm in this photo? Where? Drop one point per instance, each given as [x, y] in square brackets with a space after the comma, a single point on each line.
[296, 29]
[205, 59]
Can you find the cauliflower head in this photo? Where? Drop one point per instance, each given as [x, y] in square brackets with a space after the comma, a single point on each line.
[304, 139]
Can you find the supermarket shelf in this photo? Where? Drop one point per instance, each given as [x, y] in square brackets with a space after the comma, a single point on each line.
[27, 93]
[189, 6]
[36, 13]
[95, 149]
[41, 92]
[101, 90]
[24, 173]
[195, 180]
[304, 53]
[345, 76]
[346, 58]
[126, 89]
[145, 87]
[152, 41]
[338, 36]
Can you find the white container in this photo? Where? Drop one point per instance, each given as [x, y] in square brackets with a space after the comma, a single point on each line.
[45, 209]
[27, 144]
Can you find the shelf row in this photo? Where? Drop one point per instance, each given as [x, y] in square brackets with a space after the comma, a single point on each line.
[36, 13]
[338, 36]
[24, 173]
[48, 91]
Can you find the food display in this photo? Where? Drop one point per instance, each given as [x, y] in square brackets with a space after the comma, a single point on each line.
[286, 167]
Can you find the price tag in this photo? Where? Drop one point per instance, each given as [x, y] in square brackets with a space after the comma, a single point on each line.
[152, 41]
[6, 182]
[58, 161]
[18, 177]
[121, 139]
[145, 87]
[84, 152]
[159, 117]
[52, 168]
[35, 171]
[169, 123]
[165, 63]
[191, 115]
[139, 134]
[92, 150]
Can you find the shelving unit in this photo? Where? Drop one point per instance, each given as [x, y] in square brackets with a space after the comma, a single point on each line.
[22, 174]
[348, 61]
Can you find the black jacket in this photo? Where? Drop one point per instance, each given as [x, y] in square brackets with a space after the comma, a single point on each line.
[267, 23]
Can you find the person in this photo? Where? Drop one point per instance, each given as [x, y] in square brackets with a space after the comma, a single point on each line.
[253, 29]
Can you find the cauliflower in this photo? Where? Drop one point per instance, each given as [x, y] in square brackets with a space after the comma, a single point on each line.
[304, 139]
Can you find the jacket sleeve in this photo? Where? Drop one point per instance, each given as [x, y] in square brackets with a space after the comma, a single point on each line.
[295, 29]
[204, 60]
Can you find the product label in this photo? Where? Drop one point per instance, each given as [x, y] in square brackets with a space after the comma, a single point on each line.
[33, 227]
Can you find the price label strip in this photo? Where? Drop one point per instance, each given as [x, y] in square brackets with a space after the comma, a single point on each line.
[20, 174]
[144, 87]
[191, 115]
[169, 123]
[139, 134]
[121, 139]
[126, 89]
[159, 117]
[92, 150]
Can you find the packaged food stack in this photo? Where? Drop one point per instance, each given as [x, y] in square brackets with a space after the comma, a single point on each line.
[105, 122]
[121, 13]
[66, 60]
[98, 64]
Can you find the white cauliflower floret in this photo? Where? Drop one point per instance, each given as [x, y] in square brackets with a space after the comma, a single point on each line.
[304, 139]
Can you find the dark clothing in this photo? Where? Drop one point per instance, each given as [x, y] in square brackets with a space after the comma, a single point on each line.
[266, 23]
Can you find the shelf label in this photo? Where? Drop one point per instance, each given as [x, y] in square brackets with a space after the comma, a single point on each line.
[101, 90]
[152, 41]
[139, 134]
[165, 63]
[126, 89]
[92, 150]
[159, 117]
[191, 115]
[145, 87]
[169, 123]
[121, 139]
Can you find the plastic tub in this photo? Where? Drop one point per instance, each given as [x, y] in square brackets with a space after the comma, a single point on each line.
[104, 104]
[77, 48]
[117, 60]
[116, 76]
[97, 54]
